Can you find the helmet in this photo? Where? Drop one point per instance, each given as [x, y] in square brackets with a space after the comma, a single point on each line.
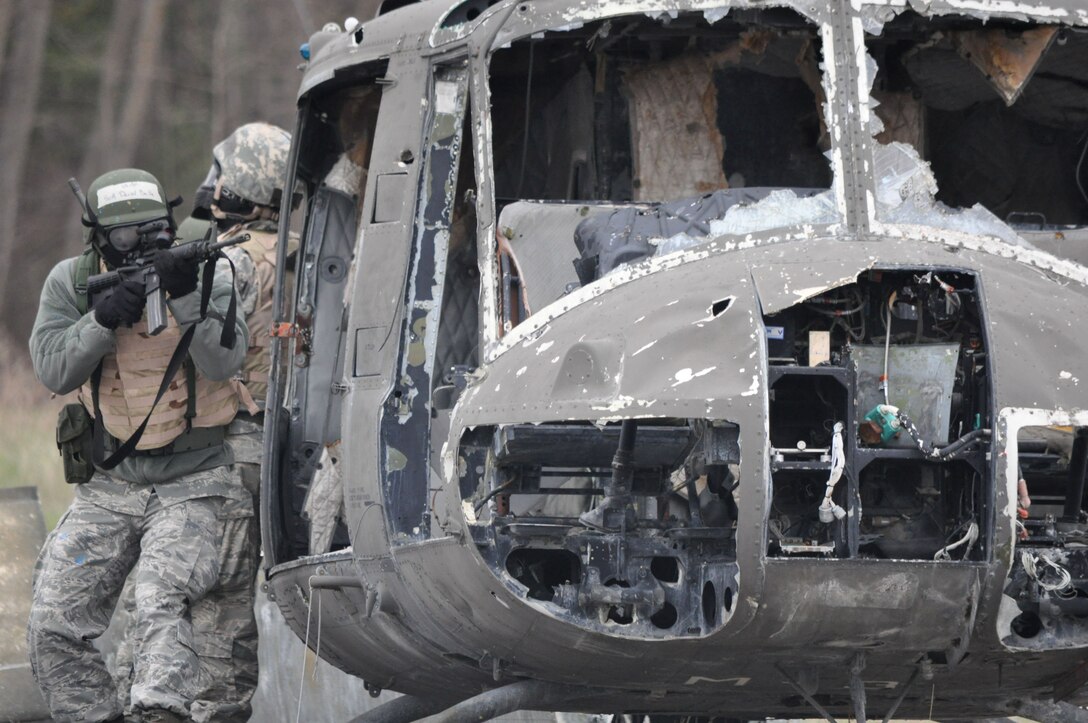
[253, 162]
[126, 196]
[128, 213]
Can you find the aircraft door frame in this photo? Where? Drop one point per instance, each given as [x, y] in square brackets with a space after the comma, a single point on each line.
[406, 417]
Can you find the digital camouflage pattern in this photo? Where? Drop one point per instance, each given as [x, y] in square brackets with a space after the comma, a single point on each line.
[253, 161]
[224, 621]
[255, 262]
[172, 546]
[224, 629]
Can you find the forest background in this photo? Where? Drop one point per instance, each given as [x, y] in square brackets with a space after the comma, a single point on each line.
[87, 86]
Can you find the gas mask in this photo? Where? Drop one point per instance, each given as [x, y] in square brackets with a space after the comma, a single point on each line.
[122, 245]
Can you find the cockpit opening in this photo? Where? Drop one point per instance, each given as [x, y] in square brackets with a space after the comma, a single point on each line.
[648, 110]
[1046, 597]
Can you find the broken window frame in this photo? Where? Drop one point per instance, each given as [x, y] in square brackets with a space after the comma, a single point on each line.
[305, 399]
[928, 220]
[521, 25]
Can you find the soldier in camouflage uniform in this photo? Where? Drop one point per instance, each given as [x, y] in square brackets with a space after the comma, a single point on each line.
[160, 509]
[242, 193]
[252, 163]
[253, 168]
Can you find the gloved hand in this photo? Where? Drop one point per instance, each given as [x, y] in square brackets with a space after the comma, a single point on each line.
[124, 306]
[176, 276]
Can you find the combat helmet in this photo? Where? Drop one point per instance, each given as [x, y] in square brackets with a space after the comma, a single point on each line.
[253, 163]
[124, 197]
[118, 212]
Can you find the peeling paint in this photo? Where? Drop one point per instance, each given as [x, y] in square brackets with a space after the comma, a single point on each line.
[686, 375]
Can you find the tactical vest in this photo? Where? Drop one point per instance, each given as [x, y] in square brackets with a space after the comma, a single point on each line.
[131, 376]
[261, 248]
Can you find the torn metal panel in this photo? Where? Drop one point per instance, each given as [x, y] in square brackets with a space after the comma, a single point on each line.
[783, 282]
[1008, 63]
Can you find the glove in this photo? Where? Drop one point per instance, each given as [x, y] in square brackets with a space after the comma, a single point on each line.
[177, 276]
[124, 306]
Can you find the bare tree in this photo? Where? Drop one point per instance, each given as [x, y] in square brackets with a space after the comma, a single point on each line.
[145, 68]
[18, 103]
[100, 148]
[6, 12]
[224, 61]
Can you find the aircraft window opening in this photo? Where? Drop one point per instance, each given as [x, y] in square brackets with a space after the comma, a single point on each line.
[578, 115]
[683, 119]
[1046, 597]
[955, 89]
[879, 403]
[533, 490]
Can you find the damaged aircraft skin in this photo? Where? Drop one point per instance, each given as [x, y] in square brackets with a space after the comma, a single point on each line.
[689, 358]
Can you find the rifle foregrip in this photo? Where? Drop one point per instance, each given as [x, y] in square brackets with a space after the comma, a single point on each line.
[100, 282]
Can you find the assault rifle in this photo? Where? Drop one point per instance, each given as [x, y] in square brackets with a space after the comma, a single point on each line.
[143, 268]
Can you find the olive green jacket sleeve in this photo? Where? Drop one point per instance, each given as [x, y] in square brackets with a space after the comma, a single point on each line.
[214, 361]
[66, 345]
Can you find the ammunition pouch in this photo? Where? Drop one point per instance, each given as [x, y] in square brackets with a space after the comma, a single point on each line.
[75, 442]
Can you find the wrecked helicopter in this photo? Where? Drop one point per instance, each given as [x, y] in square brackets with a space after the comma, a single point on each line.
[689, 357]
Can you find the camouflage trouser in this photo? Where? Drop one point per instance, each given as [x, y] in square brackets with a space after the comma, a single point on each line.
[224, 626]
[77, 580]
[225, 621]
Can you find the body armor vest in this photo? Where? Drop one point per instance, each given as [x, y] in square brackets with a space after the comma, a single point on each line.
[261, 248]
[130, 379]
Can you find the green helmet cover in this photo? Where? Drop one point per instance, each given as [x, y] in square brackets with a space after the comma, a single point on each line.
[253, 162]
[127, 196]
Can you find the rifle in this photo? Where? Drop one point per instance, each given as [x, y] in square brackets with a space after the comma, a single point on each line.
[143, 268]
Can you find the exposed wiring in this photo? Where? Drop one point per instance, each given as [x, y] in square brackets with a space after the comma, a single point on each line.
[1080, 184]
[887, 345]
[939, 453]
[1036, 567]
[306, 649]
[828, 509]
[969, 539]
[493, 493]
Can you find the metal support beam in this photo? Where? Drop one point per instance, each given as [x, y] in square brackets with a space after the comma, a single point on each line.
[857, 686]
[902, 694]
[804, 694]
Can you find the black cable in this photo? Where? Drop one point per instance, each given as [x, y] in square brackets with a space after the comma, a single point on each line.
[528, 101]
